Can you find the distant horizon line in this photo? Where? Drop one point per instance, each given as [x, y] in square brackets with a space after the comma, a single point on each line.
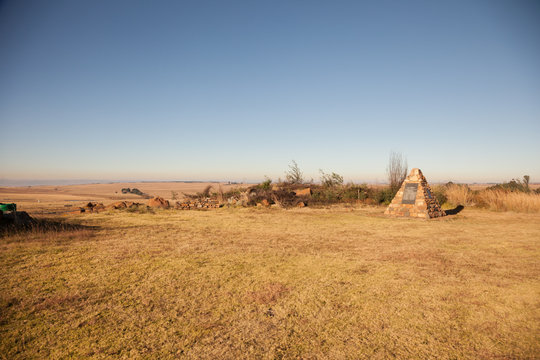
[64, 182]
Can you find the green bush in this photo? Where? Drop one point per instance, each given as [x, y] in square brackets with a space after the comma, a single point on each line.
[439, 193]
[382, 196]
[354, 192]
[515, 185]
[265, 185]
[342, 193]
[325, 195]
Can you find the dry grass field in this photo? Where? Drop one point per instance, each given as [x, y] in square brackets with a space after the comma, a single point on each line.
[335, 283]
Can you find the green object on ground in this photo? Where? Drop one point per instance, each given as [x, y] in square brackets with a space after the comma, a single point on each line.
[8, 207]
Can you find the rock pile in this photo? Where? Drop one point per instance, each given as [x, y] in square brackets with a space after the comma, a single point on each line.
[122, 205]
[94, 207]
[205, 203]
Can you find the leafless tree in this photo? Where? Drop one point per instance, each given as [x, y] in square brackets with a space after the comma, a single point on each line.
[396, 170]
[526, 179]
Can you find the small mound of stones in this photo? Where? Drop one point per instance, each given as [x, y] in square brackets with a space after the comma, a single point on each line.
[206, 203]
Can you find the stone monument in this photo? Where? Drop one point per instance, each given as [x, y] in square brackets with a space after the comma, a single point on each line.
[415, 199]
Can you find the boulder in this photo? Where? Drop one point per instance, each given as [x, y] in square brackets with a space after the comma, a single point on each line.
[303, 192]
[158, 202]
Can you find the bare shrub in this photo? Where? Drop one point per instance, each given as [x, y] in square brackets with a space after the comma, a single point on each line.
[331, 180]
[294, 175]
[396, 170]
[220, 196]
[200, 195]
[206, 191]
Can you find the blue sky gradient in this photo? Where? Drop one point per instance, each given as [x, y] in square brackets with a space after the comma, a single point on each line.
[234, 90]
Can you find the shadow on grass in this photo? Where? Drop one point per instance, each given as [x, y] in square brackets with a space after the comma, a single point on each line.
[455, 210]
[51, 229]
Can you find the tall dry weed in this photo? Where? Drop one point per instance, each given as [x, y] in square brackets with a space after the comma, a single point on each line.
[500, 200]
[459, 195]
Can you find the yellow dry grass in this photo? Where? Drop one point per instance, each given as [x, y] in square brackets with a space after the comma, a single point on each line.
[268, 284]
[500, 200]
[459, 195]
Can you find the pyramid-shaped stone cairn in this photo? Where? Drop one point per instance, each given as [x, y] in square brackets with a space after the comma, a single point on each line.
[415, 199]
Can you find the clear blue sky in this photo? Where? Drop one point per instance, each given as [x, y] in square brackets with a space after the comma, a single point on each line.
[235, 90]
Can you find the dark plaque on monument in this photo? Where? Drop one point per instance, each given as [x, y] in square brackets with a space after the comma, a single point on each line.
[409, 193]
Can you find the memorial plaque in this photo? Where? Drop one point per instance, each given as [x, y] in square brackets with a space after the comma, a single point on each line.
[409, 193]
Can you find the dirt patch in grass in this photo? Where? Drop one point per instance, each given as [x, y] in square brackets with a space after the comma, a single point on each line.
[268, 294]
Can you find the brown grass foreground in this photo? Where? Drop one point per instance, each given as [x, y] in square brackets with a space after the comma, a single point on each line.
[269, 283]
